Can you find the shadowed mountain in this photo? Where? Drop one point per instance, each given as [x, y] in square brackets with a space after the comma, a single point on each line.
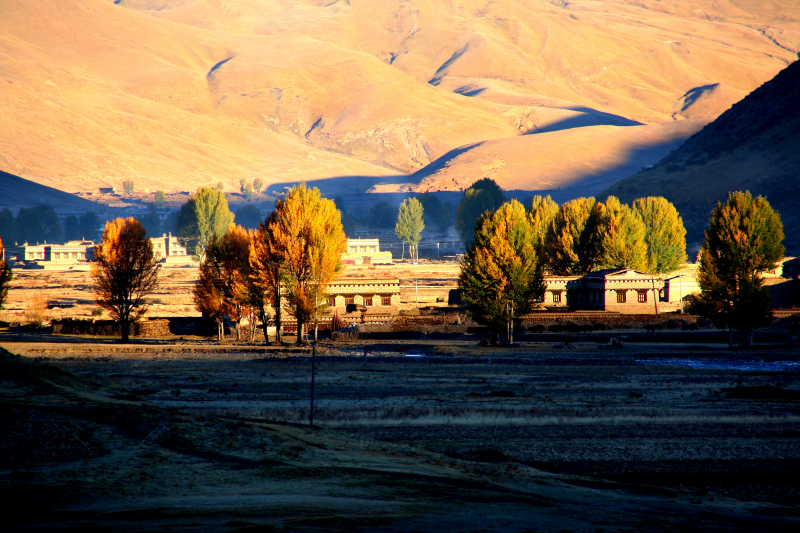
[588, 117]
[755, 146]
[529, 163]
[16, 192]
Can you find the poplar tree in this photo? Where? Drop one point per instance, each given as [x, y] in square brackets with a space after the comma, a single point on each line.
[213, 216]
[564, 236]
[501, 272]
[125, 271]
[307, 234]
[410, 223]
[268, 270]
[665, 234]
[614, 237]
[483, 195]
[543, 211]
[5, 274]
[221, 289]
[744, 237]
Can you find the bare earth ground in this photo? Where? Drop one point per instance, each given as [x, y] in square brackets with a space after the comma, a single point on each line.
[70, 293]
[542, 437]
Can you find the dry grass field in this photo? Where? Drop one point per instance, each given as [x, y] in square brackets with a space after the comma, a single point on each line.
[55, 294]
[544, 437]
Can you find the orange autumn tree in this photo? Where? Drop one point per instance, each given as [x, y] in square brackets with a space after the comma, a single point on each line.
[306, 232]
[267, 271]
[125, 271]
[222, 288]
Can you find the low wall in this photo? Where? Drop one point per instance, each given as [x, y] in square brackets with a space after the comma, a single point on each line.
[148, 327]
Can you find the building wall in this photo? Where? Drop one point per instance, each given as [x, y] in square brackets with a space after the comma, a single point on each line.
[384, 293]
[365, 251]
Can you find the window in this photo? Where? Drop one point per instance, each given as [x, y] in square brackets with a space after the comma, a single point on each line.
[386, 299]
[368, 300]
[349, 300]
[641, 296]
[332, 301]
[556, 297]
[621, 296]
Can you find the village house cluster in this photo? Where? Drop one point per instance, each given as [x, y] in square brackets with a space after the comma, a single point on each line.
[166, 249]
[625, 291]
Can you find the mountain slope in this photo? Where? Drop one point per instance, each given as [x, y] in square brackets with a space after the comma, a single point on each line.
[753, 146]
[179, 93]
[16, 192]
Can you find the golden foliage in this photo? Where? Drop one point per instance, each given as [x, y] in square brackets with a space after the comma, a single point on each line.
[563, 238]
[307, 237]
[223, 286]
[125, 271]
[502, 272]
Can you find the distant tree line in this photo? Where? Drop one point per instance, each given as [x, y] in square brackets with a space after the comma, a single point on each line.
[437, 215]
[42, 223]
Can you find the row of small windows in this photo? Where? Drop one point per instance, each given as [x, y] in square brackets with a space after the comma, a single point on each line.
[622, 296]
[368, 300]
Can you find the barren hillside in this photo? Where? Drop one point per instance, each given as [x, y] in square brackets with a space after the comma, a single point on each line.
[752, 146]
[179, 93]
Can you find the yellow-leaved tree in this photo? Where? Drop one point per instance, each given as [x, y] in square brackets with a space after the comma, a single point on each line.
[222, 288]
[501, 273]
[268, 271]
[306, 232]
[125, 271]
[565, 234]
[614, 237]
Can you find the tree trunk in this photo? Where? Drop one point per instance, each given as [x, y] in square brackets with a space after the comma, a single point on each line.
[220, 330]
[278, 336]
[124, 330]
[263, 316]
[299, 340]
[313, 387]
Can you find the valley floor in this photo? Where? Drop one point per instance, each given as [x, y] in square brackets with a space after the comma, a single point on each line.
[412, 437]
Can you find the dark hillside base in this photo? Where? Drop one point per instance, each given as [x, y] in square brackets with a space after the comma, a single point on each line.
[755, 146]
[430, 444]
[16, 192]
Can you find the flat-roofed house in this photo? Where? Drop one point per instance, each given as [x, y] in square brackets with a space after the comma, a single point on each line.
[380, 294]
[620, 290]
[365, 252]
[168, 249]
[52, 254]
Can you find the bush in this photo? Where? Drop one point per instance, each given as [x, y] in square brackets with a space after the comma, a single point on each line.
[36, 312]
